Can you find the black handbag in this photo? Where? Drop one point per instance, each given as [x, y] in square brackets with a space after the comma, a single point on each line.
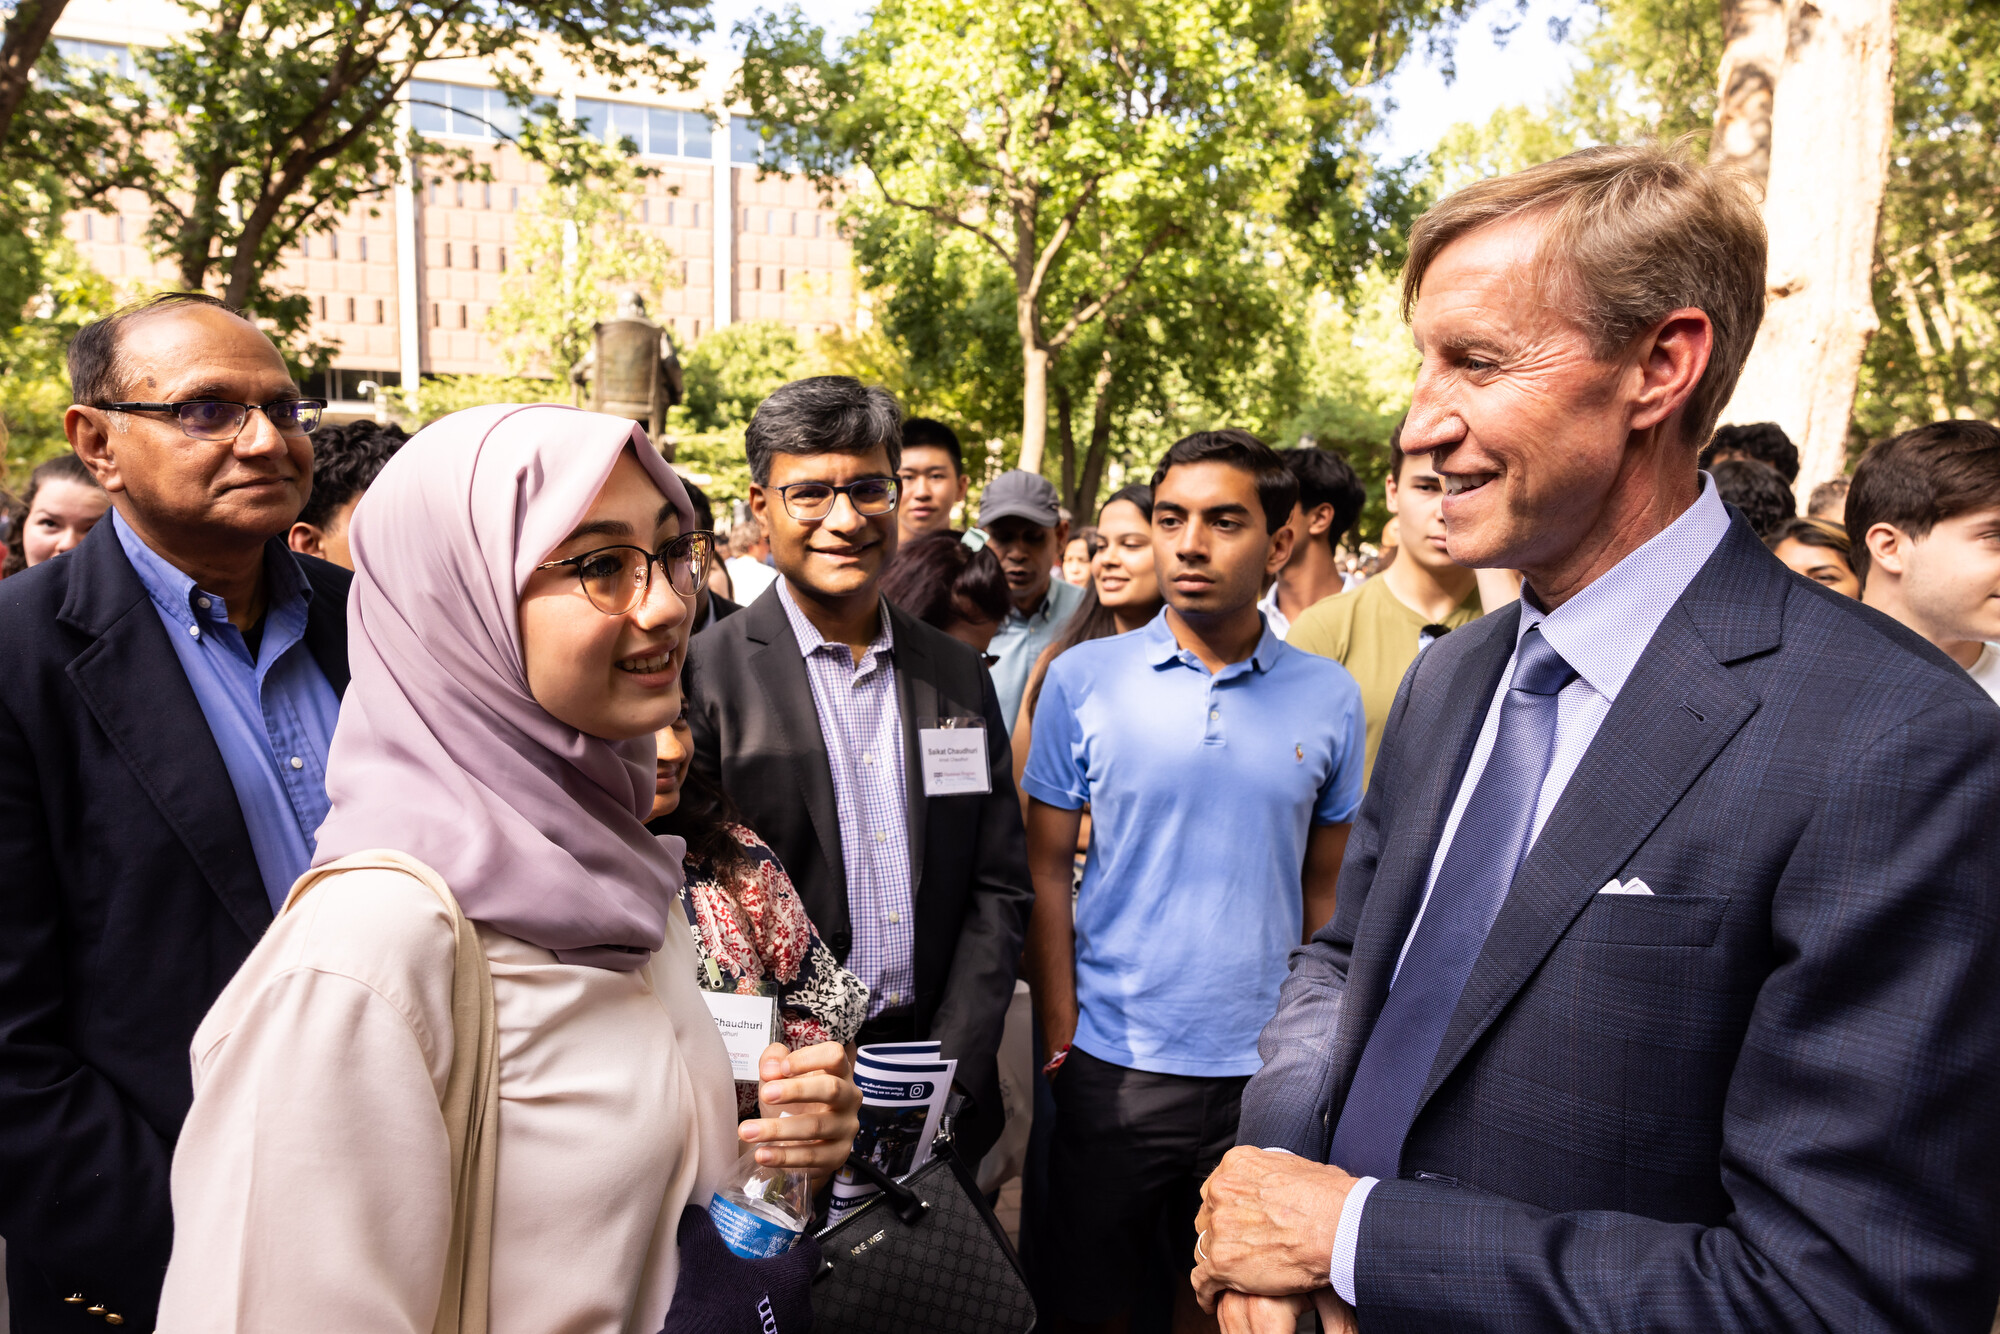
[924, 1256]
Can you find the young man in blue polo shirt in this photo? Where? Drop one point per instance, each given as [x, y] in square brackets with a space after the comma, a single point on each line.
[1221, 769]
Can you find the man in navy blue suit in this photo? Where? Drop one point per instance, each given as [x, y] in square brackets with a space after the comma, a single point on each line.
[1661, 990]
[167, 694]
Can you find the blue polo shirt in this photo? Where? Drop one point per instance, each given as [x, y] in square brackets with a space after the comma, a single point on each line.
[1202, 790]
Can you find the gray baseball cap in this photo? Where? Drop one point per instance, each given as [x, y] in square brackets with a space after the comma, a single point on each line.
[1016, 494]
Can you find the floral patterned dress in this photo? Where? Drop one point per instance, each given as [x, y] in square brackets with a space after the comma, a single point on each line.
[754, 929]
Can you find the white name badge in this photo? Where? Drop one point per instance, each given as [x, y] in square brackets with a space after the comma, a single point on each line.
[954, 760]
[748, 1024]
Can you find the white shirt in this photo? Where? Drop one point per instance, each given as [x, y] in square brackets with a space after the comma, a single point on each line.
[1986, 671]
[1602, 632]
[1274, 616]
[749, 577]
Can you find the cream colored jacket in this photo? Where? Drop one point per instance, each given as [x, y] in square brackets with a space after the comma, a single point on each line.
[310, 1185]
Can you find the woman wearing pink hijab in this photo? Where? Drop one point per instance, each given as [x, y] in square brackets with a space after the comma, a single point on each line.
[518, 621]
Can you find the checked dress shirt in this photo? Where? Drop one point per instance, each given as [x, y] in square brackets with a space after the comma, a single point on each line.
[861, 722]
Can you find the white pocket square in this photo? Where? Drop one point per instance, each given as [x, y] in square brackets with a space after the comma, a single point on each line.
[1633, 886]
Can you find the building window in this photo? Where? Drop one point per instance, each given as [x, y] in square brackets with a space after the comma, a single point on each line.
[486, 196]
[781, 280]
[89, 227]
[684, 273]
[364, 250]
[458, 193]
[654, 131]
[757, 279]
[121, 229]
[503, 259]
[770, 222]
[436, 321]
[305, 247]
[513, 198]
[461, 316]
[475, 257]
[817, 220]
[350, 310]
[379, 311]
[434, 192]
[466, 111]
[697, 328]
[322, 307]
[670, 213]
[447, 254]
[333, 244]
[645, 210]
[695, 209]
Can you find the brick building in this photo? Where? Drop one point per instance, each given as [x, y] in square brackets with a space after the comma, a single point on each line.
[404, 292]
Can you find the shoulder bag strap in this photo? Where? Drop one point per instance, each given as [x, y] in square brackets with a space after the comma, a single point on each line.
[471, 1107]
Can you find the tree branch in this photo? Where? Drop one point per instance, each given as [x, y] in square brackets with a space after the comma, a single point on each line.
[1086, 313]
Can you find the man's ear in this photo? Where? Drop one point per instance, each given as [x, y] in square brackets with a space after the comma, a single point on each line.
[1281, 549]
[307, 540]
[1671, 360]
[89, 433]
[1320, 520]
[758, 501]
[1888, 548]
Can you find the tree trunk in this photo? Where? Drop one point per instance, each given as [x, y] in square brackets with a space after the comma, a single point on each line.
[1085, 504]
[28, 30]
[1066, 433]
[1830, 132]
[1755, 32]
[1034, 404]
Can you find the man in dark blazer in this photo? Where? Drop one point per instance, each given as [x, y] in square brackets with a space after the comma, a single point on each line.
[133, 877]
[1660, 994]
[810, 707]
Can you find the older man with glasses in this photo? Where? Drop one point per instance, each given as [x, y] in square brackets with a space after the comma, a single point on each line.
[825, 711]
[167, 696]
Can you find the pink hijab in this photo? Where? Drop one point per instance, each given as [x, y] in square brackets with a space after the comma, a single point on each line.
[441, 752]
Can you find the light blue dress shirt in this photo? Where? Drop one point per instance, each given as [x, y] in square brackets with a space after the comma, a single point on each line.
[272, 716]
[1021, 639]
[1602, 632]
[1203, 790]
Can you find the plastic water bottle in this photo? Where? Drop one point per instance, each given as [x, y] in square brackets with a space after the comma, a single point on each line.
[761, 1211]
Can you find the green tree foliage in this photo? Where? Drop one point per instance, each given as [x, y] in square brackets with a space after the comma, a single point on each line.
[34, 384]
[1937, 273]
[272, 118]
[575, 249]
[1073, 165]
[735, 368]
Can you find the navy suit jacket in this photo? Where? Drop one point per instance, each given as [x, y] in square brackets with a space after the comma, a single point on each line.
[1765, 1098]
[128, 896]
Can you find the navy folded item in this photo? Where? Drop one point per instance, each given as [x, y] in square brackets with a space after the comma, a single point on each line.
[719, 1292]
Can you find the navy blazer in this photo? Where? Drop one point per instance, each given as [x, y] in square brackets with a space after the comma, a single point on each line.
[128, 896]
[1765, 1098]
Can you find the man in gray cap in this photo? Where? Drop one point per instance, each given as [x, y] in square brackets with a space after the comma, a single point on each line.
[1027, 532]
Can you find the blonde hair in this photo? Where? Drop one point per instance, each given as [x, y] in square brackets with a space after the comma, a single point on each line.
[1632, 233]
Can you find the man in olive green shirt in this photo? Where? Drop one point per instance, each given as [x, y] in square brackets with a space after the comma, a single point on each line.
[1377, 630]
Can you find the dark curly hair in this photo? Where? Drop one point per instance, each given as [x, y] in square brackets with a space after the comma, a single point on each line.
[937, 579]
[346, 459]
[1758, 490]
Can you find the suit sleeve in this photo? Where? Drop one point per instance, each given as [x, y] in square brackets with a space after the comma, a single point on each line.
[1859, 1144]
[85, 1199]
[1285, 1105]
[983, 969]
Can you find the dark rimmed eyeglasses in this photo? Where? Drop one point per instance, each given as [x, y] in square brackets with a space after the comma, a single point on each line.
[219, 419]
[808, 502]
[617, 579]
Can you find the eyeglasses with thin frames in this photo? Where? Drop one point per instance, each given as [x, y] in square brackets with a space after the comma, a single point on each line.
[809, 502]
[617, 579]
[219, 419]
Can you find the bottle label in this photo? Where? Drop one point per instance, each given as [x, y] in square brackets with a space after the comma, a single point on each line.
[748, 1234]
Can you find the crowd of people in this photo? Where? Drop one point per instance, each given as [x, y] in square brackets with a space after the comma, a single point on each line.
[1584, 920]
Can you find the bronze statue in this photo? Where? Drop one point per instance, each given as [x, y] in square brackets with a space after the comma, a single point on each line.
[633, 369]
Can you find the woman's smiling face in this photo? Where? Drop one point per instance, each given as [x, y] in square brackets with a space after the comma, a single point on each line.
[615, 677]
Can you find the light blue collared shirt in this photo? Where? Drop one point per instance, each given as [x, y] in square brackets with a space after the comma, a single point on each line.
[272, 716]
[1203, 791]
[1021, 639]
[1602, 632]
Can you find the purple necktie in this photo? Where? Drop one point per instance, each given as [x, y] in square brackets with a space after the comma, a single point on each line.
[1486, 850]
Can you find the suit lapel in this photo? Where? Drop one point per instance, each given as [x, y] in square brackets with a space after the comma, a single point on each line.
[1403, 870]
[780, 673]
[133, 685]
[1675, 714]
[917, 696]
